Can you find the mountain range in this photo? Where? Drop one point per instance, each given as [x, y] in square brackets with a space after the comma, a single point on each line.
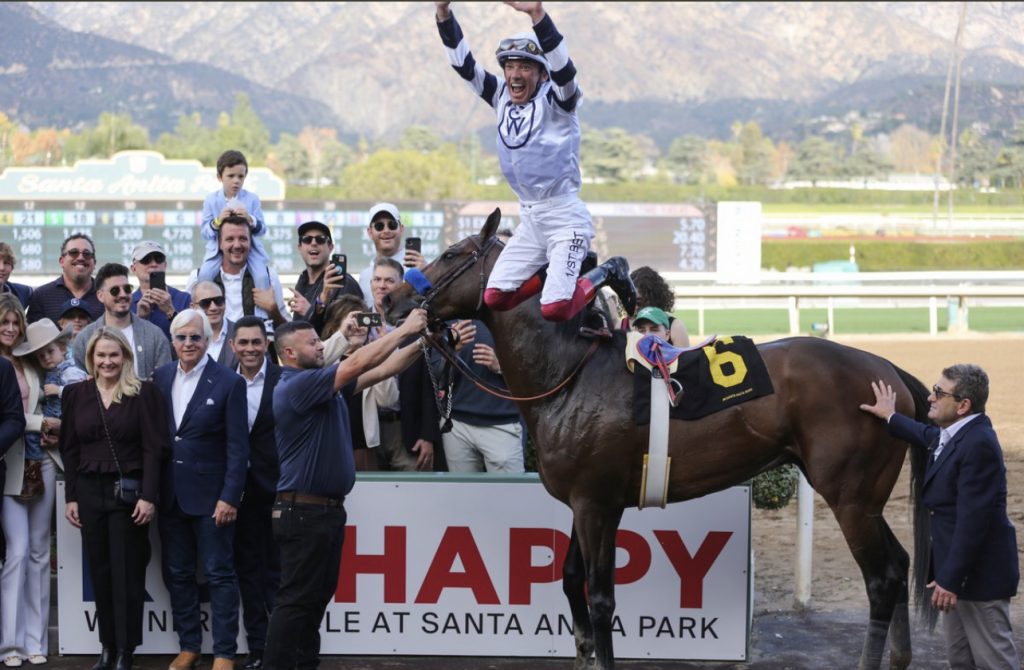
[372, 69]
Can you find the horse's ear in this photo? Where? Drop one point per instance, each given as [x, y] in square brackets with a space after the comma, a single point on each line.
[491, 225]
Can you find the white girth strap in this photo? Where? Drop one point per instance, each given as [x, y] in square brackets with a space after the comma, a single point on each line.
[654, 483]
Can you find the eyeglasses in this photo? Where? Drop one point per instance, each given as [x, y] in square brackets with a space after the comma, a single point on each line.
[310, 239]
[154, 257]
[194, 339]
[115, 291]
[939, 393]
[216, 300]
[518, 44]
[75, 253]
[379, 225]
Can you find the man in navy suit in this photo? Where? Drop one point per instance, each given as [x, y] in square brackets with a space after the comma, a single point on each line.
[974, 567]
[202, 489]
[257, 561]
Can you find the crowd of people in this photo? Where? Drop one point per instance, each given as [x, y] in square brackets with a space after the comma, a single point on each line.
[236, 419]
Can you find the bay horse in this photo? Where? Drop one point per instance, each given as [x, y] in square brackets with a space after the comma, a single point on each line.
[590, 450]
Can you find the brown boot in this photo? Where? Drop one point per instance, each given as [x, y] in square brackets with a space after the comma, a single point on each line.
[223, 664]
[186, 660]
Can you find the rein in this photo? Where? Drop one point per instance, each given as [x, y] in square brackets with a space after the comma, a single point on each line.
[449, 355]
[447, 349]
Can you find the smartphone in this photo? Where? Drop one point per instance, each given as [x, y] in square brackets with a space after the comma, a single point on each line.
[340, 261]
[369, 319]
[414, 243]
[158, 279]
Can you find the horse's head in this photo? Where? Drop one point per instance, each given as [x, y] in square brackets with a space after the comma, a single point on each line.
[452, 286]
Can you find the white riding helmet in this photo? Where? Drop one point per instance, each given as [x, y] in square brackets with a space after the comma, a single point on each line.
[521, 46]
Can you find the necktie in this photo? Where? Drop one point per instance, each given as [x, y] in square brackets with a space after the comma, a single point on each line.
[943, 439]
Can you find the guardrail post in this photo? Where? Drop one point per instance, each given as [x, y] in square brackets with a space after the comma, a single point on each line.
[933, 316]
[804, 542]
[831, 319]
[700, 317]
[794, 316]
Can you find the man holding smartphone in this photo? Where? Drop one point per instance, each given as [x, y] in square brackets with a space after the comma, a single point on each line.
[326, 277]
[154, 300]
[386, 232]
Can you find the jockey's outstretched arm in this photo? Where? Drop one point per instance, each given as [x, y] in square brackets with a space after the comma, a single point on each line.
[461, 58]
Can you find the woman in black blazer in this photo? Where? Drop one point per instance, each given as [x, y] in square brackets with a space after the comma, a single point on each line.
[113, 423]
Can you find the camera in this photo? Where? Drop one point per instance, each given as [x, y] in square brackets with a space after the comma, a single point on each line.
[368, 319]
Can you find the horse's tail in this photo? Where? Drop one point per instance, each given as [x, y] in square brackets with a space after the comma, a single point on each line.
[922, 530]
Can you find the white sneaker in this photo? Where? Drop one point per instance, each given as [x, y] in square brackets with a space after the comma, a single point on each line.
[37, 659]
[13, 661]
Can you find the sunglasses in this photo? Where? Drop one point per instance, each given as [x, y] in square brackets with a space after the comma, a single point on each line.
[379, 225]
[154, 257]
[75, 253]
[188, 338]
[310, 239]
[206, 302]
[939, 393]
[518, 44]
[115, 291]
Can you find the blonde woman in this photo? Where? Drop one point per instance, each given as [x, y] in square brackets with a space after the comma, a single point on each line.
[25, 580]
[114, 425]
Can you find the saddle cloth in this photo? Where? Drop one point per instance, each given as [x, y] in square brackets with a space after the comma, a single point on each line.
[723, 373]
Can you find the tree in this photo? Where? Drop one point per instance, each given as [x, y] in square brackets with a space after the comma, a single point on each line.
[612, 154]
[419, 138]
[190, 139]
[816, 158]
[755, 155]
[112, 133]
[325, 155]
[975, 158]
[243, 130]
[866, 162]
[913, 150]
[687, 159]
[7, 131]
[406, 175]
[42, 146]
[1009, 167]
[288, 159]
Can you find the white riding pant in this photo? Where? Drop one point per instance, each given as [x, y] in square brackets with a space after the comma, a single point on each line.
[556, 231]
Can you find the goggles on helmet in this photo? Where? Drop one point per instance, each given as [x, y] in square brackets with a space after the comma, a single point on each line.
[518, 44]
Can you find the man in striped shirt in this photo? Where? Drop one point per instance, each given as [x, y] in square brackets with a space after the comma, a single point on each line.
[538, 150]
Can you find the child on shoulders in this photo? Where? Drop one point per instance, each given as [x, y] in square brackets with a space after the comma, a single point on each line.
[233, 200]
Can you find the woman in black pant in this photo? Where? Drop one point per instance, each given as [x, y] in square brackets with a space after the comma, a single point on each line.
[114, 428]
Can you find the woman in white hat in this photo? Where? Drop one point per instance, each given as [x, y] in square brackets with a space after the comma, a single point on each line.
[25, 579]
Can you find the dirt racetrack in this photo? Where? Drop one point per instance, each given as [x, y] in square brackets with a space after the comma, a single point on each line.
[830, 633]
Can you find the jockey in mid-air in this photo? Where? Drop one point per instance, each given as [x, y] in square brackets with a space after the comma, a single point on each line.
[539, 152]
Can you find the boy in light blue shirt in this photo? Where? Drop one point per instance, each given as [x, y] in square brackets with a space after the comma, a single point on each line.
[233, 200]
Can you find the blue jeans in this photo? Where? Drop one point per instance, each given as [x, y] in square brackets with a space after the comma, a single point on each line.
[310, 539]
[182, 537]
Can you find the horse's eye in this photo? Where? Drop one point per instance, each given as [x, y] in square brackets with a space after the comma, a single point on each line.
[448, 255]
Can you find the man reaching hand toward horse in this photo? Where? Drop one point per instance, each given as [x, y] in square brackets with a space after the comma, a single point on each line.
[539, 152]
[974, 567]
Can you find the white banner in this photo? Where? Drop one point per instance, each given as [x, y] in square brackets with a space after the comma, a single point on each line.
[474, 569]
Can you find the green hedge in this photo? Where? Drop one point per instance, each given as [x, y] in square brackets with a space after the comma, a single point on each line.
[894, 256]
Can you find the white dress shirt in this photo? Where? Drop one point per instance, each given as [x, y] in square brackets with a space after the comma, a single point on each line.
[215, 346]
[254, 391]
[946, 436]
[184, 387]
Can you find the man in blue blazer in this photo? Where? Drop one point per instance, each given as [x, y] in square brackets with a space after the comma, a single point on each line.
[202, 489]
[974, 567]
[257, 560]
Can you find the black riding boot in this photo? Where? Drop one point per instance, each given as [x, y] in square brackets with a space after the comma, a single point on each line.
[106, 661]
[614, 273]
[124, 659]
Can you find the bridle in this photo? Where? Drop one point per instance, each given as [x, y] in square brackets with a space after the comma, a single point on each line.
[448, 279]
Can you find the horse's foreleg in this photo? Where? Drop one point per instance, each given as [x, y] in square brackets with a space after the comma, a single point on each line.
[574, 580]
[884, 565]
[597, 529]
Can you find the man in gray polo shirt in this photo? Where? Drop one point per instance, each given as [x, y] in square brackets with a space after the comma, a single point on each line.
[314, 446]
